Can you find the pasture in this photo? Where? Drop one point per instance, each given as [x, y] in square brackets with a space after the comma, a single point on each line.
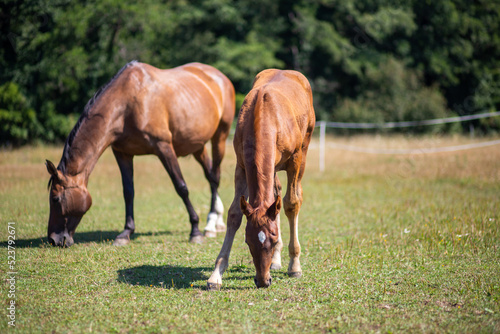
[390, 243]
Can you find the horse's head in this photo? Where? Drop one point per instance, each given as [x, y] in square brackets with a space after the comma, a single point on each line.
[69, 200]
[261, 236]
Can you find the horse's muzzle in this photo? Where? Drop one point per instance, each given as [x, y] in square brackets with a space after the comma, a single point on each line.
[61, 239]
[264, 284]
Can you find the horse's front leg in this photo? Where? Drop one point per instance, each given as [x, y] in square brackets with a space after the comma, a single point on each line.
[292, 203]
[276, 260]
[125, 163]
[234, 218]
[166, 153]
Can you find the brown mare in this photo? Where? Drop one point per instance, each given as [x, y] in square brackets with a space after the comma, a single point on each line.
[144, 110]
[273, 133]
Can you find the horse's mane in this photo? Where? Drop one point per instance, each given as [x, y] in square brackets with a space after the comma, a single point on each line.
[83, 117]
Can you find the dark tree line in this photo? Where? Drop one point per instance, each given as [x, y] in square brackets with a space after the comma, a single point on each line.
[367, 60]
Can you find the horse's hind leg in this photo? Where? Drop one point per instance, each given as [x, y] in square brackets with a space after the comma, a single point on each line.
[166, 153]
[125, 162]
[218, 149]
[215, 222]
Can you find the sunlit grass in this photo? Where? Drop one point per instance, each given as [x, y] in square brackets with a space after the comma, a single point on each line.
[389, 244]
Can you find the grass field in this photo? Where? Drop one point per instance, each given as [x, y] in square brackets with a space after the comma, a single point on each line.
[390, 243]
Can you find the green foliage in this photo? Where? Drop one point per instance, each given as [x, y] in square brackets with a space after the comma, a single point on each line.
[242, 62]
[18, 122]
[60, 52]
[392, 93]
[457, 45]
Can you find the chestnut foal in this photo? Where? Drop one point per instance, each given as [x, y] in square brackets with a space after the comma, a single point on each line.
[144, 110]
[273, 133]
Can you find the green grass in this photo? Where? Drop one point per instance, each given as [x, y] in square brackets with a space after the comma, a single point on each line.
[389, 244]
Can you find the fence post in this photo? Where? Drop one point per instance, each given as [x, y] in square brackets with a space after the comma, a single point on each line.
[322, 127]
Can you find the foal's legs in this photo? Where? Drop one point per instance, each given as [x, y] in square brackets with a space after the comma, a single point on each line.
[166, 153]
[292, 203]
[125, 162]
[214, 218]
[233, 224]
[276, 261]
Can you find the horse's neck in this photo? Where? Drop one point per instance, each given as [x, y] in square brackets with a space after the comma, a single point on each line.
[261, 180]
[259, 155]
[90, 141]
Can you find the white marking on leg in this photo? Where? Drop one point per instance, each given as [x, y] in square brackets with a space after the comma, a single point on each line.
[211, 222]
[276, 261]
[219, 207]
[294, 247]
[221, 263]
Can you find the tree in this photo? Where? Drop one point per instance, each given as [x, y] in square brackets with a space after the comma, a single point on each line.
[383, 60]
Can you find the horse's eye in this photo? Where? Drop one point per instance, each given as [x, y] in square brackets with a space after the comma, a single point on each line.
[56, 199]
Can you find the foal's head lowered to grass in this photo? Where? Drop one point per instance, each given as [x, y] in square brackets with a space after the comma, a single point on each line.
[261, 236]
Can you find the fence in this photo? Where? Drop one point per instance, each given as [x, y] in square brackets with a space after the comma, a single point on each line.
[340, 125]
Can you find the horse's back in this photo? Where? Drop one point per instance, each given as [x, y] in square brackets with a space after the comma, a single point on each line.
[277, 115]
[282, 95]
[184, 105]
[223, 86]
[196, 85]
[282, 78]
[290, 89]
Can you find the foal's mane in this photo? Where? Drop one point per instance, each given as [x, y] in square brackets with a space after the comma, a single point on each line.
[83, 117]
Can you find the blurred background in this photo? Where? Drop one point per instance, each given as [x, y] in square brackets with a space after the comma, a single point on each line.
[367, 60]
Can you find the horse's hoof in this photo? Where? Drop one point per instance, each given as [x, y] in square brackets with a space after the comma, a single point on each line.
[210, 234]
[295, 274]
[275, 266]
[121, 242]
[197, 239]
[213, 286]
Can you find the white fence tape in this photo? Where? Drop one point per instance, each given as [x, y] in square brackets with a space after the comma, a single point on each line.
[389, 125]
[340, 125]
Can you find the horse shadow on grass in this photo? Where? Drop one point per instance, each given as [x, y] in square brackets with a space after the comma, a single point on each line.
[81, 238]
[174, 277]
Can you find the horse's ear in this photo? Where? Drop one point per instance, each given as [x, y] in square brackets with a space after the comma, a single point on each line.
[245, 207]
[274, 210]
[52, 169]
